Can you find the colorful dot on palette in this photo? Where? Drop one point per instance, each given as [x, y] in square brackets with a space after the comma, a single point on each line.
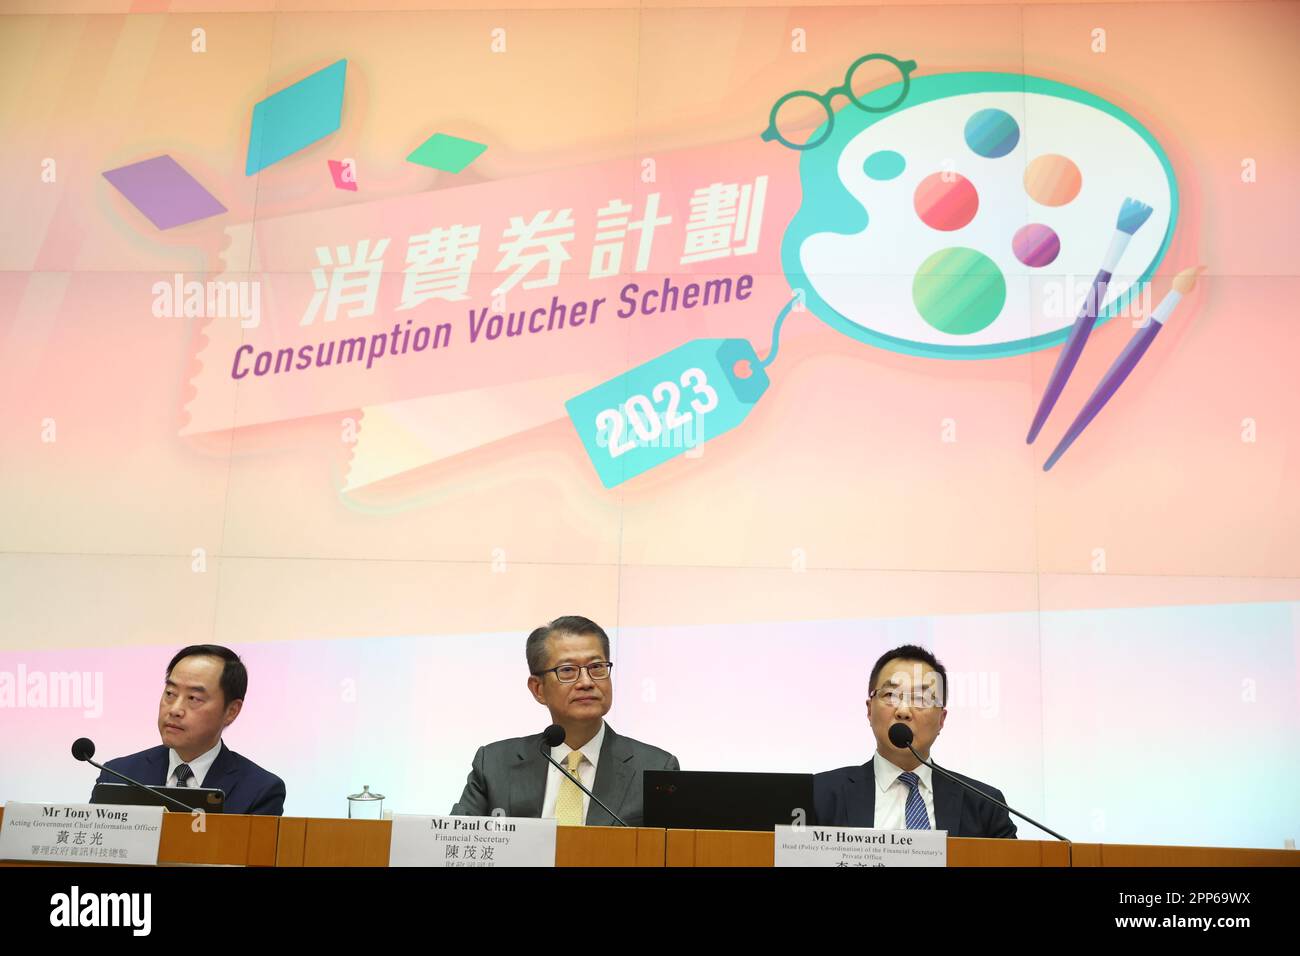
[1036, 245]
[884, 164]
[992, 133]
[959, 290]
[946, 205]
[1052, 180]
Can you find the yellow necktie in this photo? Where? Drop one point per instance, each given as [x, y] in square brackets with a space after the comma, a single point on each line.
[568, 805]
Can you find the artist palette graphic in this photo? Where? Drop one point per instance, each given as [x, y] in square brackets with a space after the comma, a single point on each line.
[969, 221]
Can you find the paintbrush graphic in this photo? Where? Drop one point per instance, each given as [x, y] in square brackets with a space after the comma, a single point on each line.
[1131, 217]
[1127, 361]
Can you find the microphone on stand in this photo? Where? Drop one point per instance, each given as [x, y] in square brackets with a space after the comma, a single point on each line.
[900, 735]
[83, 748]
[553, 736]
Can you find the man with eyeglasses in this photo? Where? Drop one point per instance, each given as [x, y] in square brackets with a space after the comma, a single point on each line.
[893, 790]
[571, 675]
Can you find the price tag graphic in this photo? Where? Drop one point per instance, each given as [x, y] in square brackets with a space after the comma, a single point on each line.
[667, 406]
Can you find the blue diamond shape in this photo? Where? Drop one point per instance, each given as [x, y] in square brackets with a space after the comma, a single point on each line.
[296, 117]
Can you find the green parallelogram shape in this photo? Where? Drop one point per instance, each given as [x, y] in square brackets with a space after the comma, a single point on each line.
[450, 153]
[296, 117]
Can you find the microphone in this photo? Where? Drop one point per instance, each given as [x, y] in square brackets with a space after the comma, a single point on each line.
[83, 748]
[900, 735]
[553, 736]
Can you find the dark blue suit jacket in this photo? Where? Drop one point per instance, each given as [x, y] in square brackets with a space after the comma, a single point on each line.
[847, 798]
[248, 788]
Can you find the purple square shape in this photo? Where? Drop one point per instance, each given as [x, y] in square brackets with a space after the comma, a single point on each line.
[164, 192]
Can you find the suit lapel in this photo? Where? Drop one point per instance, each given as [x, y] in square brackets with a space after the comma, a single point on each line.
[528, 779]
[947, 804]
[862, 797]
[614, 775]
[157, 761]
[221, 775]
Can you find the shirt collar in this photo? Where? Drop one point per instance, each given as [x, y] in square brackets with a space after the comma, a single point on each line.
[887, 772]
[590, 750]
[200, 765]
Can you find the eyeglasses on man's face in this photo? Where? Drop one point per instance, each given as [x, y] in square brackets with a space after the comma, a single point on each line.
[917, 700]
[568, 673]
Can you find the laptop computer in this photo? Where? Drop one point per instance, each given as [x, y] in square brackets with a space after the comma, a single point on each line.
[726, 800]
[196, 798]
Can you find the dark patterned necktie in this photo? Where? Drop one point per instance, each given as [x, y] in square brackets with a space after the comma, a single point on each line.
[183, 774]
[914, 812]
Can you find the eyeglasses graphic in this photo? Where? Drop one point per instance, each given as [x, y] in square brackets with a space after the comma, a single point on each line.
[782, 129]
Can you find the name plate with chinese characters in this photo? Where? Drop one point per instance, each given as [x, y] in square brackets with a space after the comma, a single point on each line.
[81, 833]
[858, 846]
[471, 841]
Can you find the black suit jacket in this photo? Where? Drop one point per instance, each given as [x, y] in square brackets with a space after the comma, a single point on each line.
[847, 798]
[248, 788]
[511, 775]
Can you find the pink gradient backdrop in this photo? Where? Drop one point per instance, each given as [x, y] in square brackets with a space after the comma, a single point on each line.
[832, 524]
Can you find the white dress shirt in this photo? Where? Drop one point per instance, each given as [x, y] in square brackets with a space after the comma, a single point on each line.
[200, 765]
[891, 794]
[586, 772]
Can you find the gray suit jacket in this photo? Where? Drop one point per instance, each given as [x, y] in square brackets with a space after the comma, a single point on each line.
[511, 774]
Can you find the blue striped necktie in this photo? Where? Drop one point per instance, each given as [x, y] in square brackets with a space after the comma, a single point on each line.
[914, 813]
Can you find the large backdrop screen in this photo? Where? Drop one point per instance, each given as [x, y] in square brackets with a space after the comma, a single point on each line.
[770, 338]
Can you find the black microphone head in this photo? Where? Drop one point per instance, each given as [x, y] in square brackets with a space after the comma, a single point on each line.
[83, 748]
[553, 735]
[900, 735]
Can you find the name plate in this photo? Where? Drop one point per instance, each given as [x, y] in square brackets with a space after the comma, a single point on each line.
[471, 841]
[858, 846]
[81, 833]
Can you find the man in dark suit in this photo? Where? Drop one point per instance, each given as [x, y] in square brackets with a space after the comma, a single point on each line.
[202, 696]
[893, 790]
[570, 674]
